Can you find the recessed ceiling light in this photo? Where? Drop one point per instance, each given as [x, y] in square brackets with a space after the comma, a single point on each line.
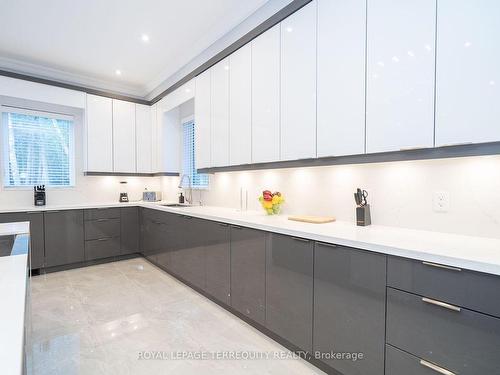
[118, 72]
[145, 38]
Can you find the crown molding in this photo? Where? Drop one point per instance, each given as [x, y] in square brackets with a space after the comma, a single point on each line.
[53, 74]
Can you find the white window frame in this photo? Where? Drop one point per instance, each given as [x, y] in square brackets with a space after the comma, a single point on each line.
[5, 145]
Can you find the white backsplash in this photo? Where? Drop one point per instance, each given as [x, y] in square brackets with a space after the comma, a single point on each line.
[400, 193]
[89, 189]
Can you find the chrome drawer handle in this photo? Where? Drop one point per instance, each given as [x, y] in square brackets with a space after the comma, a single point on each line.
[300, 239]
[441, 266]
[327, 244]
[441, 304]
[438, 369]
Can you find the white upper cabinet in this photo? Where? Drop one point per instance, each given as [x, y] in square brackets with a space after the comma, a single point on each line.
[240, 106]
[298, 84]
[99, 134]
[124, 137]
[202, 120]
[266, 96]
[143, 138]
[220, 114]
[468, 72]
[400, 74]
[341, 77]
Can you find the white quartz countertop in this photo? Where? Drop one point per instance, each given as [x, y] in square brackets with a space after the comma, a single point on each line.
[468, 252]
[13, 276]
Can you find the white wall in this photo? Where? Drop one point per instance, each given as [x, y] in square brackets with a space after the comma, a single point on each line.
[401, 193]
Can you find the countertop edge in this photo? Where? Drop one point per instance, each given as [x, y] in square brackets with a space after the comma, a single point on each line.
[438, 253]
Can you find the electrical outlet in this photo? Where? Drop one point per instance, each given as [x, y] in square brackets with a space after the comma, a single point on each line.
[441, 201]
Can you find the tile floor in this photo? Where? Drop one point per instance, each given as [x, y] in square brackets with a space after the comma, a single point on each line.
[98, 320]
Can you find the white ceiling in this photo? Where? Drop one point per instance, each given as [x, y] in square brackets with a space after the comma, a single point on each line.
[84, 42]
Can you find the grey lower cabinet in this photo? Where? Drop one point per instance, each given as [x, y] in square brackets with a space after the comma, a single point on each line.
[399, 362]
[289, 289]
[217, 260]
[37, 249]
[349, 308]
[149, 233]
[459, 340]
[64, 237]
[188, 252]
[129, 230]
[248, 273]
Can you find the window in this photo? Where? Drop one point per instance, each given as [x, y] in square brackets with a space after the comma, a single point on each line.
[198, 180]
[38, 148]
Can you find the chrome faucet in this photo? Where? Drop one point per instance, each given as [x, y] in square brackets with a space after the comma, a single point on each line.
[190, 199]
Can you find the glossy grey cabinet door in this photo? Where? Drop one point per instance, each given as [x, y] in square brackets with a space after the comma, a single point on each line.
[101, 248]
[64, 237]
[217, 260]
[129, 230]
[188, 256]
[398, 363]
[248, 272]
[146, 234]
[37, 249]
[463, 341]
[349, 307]
[289, 289]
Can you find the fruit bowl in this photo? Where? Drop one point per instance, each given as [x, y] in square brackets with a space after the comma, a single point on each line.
[271, 202]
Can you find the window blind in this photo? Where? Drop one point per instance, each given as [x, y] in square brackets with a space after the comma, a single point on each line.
[198, 180]
[38, 148]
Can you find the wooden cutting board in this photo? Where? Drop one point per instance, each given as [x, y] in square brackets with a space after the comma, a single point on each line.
[313, 219]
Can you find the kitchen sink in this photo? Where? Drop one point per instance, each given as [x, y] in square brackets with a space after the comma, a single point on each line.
[176, 205]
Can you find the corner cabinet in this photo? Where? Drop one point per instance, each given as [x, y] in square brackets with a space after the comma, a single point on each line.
[99, 134]
[400, 75]
[298, 84]
[468, 75]
[144, 138]
[118, 136]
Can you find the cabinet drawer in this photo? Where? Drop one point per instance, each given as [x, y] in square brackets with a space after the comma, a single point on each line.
[473, 290]
[102, 228]
[102, 213]
[102, 248]
[398, 362]
[460, 340]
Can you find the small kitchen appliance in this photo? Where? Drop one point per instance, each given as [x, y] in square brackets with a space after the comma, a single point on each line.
[39, 195]
[363, 216]
[151, 196]
[123, 195]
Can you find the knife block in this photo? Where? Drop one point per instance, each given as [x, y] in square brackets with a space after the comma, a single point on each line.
[363, 216]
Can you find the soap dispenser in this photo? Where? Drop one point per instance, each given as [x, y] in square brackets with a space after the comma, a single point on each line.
[181, 198]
